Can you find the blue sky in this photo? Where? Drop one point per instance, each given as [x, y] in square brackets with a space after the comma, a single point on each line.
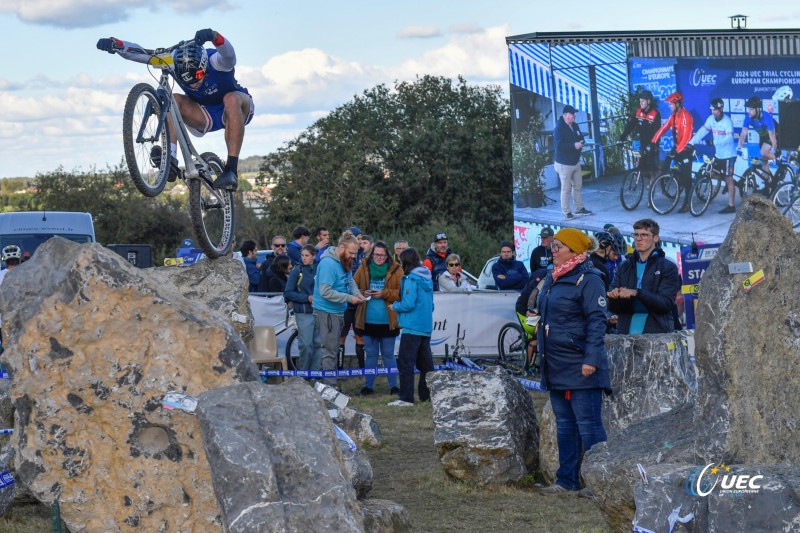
[61, 99]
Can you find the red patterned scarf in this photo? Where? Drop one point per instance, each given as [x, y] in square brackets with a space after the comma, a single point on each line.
[569, 265]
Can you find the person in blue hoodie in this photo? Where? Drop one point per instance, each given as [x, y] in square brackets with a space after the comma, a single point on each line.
[249, 259]
[333, 290]
[299, 293]
[415, 315]
[572, 307]
[508, 273]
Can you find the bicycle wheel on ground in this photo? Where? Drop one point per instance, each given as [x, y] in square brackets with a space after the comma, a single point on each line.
[292, 352]
[630, 193]
[511, 343]
[141, 135]
[755, 181]
[700, 196]
[211, 210]
[783, 195]
[664, 194]
[747, 183]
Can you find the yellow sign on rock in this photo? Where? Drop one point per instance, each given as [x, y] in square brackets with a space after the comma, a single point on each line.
[753, 280]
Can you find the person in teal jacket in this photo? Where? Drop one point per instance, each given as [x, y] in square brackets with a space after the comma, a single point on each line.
[415, 315]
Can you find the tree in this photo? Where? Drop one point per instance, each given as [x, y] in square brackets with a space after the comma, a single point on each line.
[429, 149]
[121, 214]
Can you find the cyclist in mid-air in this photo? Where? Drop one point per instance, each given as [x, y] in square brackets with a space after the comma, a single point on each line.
[646, 121]
[721, 128]
[213, 99]
[763, 123]
[681, 123]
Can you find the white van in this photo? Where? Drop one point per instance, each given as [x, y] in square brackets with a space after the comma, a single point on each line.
[29, 229]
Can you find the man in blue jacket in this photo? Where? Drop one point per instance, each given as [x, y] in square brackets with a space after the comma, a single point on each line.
[334, 288]
[569, 143]
[644, 288]
[509, 274]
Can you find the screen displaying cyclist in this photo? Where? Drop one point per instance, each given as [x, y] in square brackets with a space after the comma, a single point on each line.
[681, 123]
[721, 128]
[645, 122]
[763, 124]
[213, 98]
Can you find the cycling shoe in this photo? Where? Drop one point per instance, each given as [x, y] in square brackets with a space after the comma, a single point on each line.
[227, 181]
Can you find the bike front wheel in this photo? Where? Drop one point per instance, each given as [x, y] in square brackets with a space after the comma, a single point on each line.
[511, 343]
[292, 352]
[146, 140]
[211, 210]
[783, 195]
[630, 194]
[700, 196]
[664, 194]
[792, 211]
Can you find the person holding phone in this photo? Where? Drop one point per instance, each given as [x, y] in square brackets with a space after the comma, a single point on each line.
[375, 321]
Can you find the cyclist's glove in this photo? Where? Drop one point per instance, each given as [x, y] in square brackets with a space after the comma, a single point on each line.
[673, 154]
[203, 36]
[648, 149]
[109, 44]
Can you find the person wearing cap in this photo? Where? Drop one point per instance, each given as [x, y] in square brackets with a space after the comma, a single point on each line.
[569, 143]
[570, 336]
[720, 126]
[645, 122]
[435, 260]
[643, 292]
[681, 123]
[508, 273]
[541, 256]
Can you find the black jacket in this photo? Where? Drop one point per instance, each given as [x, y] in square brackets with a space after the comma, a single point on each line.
[660, 284]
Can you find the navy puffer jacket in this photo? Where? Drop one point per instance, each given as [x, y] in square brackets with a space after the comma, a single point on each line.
[571, 330]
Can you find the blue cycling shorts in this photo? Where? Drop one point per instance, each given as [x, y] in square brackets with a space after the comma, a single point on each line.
[214, 117]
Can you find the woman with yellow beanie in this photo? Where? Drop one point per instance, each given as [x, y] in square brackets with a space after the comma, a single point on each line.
[572, 306]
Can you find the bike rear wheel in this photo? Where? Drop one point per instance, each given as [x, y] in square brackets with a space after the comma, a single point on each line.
[211, 210]
[511, 343]
[700, 196]
[756, 182]
[292, 352]
[664, 194]
[140, 135]
[630, 193]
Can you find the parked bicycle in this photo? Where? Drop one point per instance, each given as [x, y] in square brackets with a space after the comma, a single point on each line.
[632, 188]
[292, 352]
[516, 345]
[145, 134]
[665, 191]
[792, 210]
[766, 183]
[707, 184]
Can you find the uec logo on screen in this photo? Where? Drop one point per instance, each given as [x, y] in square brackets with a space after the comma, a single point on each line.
[703, 480]
[701, 79]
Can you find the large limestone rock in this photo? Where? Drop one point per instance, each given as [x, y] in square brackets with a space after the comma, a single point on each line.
[93, 345]
[485, 426]
[220, 285]
[650, 375]
[384, 516]
[746, 348]
[270, 472]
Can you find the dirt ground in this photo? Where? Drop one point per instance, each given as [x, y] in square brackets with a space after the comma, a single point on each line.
[406, 470]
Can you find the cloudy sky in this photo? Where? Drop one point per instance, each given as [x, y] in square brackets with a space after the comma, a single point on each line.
[61, 100]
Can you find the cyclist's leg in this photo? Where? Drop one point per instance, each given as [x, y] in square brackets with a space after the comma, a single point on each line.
[685, 177]
[193, 114]
[766, 156]
[237, 113]
[729, 181]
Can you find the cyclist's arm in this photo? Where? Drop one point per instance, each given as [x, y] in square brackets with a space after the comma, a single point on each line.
[225, 58]
[663, 129]
[132, 52]
[701, 133]
[685, 127]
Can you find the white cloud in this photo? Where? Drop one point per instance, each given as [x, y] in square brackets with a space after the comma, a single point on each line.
[466, 27]
[91, 13]
[475, 56]
[419, 32]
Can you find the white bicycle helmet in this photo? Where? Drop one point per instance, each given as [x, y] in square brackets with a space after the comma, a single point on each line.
[11, 251]
[782, 93]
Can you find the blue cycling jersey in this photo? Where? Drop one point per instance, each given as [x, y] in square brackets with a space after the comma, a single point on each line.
[762, 125]
[216, 85]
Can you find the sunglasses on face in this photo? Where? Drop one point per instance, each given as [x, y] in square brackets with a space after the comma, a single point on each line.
[279, 245]
[453, 264]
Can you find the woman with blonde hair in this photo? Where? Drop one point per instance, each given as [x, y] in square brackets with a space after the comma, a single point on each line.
[452, 279]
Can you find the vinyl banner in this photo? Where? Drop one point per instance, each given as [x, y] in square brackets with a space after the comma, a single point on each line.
[472, 319]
